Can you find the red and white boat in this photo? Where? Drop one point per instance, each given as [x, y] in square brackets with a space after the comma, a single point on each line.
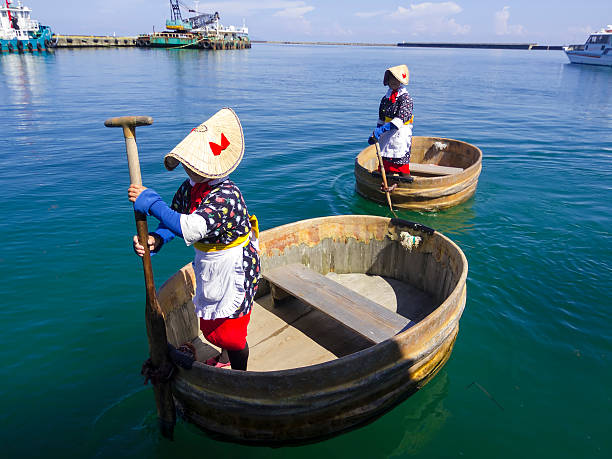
[596, 51]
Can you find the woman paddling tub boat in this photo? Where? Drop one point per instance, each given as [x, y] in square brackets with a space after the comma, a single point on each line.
[209, 212]
[394, 127]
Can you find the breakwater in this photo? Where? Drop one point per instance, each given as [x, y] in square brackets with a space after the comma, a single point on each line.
[329, 43]
[528, 46]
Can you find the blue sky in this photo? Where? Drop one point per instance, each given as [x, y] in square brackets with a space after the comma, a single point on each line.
[506, 21]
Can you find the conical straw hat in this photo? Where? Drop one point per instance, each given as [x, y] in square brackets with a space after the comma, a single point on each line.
[213, 149]
[400, 72]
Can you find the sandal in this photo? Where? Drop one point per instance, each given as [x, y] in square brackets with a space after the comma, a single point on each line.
[214, 362]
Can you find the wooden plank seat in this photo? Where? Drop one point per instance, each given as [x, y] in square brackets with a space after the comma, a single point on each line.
[371, 320]
[434, 169]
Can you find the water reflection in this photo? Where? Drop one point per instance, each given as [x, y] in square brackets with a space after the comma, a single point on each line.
[421, 421]
[24, 81]
[586, 85]
[456, 220]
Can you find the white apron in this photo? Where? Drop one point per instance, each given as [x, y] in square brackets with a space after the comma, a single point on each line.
[395, 143]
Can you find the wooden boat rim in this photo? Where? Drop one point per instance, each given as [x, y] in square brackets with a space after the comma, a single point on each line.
[364, 353]
[467, 171]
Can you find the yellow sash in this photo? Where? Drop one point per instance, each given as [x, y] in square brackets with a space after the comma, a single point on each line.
[204, 247]
[387, 119]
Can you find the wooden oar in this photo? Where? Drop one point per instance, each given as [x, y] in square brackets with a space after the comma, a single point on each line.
[156, 326]
[384, 177]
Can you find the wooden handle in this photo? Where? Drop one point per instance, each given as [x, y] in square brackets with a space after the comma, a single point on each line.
[131, 121]
[384, 175]
[154, 317]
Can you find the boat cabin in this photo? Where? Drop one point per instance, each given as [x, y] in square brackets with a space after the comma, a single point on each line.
[15, 22]
[599, 42]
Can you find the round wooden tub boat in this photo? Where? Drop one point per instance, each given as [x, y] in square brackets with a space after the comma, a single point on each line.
[443, 173]
[353, 315]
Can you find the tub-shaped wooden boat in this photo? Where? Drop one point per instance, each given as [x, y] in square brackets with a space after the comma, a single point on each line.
[443, 173]
[310, 374]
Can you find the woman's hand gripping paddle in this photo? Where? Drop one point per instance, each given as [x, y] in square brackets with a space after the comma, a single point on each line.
[156, 326]
[384, 177]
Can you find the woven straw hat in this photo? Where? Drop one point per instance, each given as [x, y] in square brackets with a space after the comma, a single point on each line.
[213, 149]
[400, 72]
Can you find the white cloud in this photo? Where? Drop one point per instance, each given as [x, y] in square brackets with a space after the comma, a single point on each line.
[247, 7]
[294, 12]
[429, 18]
[501, 23]
[428, 9]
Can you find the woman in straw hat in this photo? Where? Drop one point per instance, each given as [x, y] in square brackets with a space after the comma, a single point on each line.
[209, 212]
[394, 128]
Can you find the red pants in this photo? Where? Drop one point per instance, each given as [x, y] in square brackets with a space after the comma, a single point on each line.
[227, 334]
[391, 168]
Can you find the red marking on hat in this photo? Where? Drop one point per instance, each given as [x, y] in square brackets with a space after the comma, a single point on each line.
[403, 75]
[216, 148]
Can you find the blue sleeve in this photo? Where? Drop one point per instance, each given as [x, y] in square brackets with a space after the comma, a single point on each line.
[164, 233]
[151, 203]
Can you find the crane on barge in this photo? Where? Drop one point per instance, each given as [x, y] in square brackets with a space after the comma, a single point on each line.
[194, 23]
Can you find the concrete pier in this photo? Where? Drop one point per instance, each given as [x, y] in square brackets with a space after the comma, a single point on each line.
[92, 41]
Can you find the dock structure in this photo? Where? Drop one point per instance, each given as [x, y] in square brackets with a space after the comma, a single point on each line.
[195, 41]
[527, 46]
[92, 41]
[165, 40]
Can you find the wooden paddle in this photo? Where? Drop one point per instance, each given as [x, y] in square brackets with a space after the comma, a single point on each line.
[384, 176]
[156, 325]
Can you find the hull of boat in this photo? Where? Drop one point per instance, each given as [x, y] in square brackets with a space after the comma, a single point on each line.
[195, 41]
[427, 193]
[583, 57]
[43, 41]
[308, 402]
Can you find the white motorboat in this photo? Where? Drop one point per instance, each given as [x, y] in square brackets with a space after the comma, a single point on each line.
[596, 51]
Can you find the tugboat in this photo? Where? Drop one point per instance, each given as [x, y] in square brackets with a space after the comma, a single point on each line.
[202, 31]
[596, 51]
[19, 33]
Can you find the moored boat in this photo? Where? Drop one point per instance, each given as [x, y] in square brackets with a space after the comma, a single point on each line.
[202, 31]
[443, 173]
[596, 51]
[19, 32]
[315, 368]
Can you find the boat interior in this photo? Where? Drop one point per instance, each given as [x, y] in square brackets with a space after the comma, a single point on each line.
[290, 334]
[430, 157]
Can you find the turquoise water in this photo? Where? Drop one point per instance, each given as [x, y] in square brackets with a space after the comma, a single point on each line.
[531, 369]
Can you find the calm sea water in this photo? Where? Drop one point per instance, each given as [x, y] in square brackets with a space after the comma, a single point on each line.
[531, 370]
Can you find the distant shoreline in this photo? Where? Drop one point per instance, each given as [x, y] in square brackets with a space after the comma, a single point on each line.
[527, 46]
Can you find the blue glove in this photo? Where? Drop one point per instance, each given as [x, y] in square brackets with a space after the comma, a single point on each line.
[381, 129]
[372, 140]
[150, 203]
